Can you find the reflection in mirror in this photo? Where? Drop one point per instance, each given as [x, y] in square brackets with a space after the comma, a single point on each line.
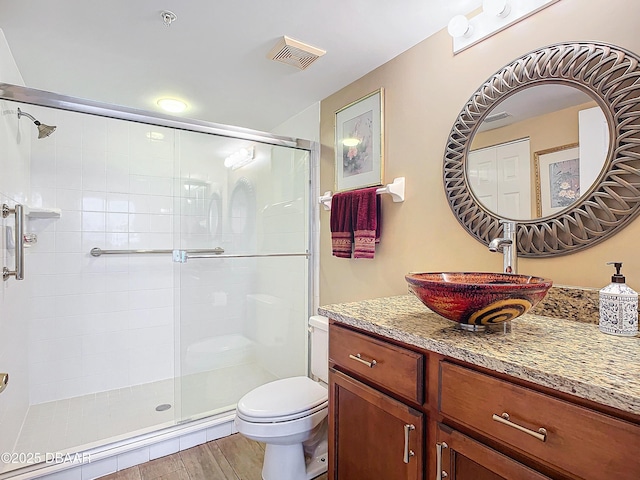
[214, 216]
[537, 152]
[242, 207]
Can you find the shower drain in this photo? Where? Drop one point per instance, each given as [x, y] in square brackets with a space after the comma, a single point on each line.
[162, 407]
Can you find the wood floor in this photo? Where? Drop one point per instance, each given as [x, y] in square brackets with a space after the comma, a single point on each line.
[229, 458]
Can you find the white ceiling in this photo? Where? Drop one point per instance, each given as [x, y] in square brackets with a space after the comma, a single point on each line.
[214, 55]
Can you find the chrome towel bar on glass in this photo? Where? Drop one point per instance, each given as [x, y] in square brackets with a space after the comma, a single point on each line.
[96, 252]
[181, 256]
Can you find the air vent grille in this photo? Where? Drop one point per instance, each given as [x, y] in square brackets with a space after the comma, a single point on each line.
[497, 116]
[293, 52]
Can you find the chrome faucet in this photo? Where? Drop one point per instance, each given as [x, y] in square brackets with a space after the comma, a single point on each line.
[507, 243]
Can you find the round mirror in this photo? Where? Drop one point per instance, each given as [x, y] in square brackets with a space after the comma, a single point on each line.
[241, 207]
[585, 212]
[537, 152]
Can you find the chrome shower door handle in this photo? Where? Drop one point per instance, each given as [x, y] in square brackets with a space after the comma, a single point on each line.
[18, 211]
[4, 381]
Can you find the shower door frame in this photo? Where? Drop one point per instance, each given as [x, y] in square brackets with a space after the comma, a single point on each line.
[25, 95]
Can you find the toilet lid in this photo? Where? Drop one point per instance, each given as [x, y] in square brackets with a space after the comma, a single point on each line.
[282, 398]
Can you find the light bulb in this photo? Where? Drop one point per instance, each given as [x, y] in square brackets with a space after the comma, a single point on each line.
[459, 26]
[350, 142]
[497, 8]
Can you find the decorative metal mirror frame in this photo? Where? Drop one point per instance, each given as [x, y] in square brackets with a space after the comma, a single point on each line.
[611, 76]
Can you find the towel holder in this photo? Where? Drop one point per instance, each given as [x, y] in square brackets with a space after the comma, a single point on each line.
[395, 189]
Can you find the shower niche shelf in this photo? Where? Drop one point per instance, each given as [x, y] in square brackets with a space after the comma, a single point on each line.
[41, 212]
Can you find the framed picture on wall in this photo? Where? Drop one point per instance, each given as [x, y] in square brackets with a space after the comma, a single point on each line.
[360, 143]
[557, 178]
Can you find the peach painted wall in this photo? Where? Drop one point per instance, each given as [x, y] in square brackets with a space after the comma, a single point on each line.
[425, 88]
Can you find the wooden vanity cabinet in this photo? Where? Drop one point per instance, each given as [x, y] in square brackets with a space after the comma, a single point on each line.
[374, 432]
[466, 421]
[372, 435]
[575, 441]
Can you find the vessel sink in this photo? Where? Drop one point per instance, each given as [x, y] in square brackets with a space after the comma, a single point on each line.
[478, 298]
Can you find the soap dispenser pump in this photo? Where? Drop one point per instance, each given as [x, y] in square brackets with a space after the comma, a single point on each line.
[618, 306]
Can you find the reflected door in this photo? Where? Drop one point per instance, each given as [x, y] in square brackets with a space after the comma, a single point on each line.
[501, 179]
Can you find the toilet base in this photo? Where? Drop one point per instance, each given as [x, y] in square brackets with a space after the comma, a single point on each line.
[284, 462]
[287, 462]
[319, 463]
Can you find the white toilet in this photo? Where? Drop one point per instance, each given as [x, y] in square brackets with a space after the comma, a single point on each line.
[290, 416]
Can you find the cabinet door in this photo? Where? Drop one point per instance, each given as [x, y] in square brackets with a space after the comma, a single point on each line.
[461, 458]
[371, 435]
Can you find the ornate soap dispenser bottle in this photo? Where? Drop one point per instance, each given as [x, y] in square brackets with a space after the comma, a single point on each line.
[618, 306]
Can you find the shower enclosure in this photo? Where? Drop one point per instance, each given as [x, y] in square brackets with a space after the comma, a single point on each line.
[166, 272]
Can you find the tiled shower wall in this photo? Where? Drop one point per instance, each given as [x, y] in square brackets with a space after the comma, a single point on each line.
[108, 322]
[99, 323]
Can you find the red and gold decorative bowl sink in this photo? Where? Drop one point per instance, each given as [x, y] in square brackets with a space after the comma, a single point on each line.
[477, 298]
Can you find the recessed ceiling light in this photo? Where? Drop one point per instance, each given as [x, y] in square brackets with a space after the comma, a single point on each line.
[172, 105]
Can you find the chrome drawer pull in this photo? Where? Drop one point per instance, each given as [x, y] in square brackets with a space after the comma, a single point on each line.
[440, 474]
[407, 453]
[357, 357]
[541, 434]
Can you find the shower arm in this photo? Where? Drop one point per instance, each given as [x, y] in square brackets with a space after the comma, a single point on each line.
[28, 115]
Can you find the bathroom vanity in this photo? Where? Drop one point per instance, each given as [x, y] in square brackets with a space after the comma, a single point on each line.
[412, 397]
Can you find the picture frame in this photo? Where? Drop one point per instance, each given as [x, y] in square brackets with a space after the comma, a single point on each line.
[359, 143]
[557, 173]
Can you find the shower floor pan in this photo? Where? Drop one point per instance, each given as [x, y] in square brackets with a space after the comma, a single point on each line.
[80, 423]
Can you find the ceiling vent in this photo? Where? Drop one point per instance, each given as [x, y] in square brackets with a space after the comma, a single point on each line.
[497, 116]
[295, 53]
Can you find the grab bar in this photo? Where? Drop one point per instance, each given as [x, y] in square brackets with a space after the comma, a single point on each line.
[96, 252]
[181, 256]
[18, 211]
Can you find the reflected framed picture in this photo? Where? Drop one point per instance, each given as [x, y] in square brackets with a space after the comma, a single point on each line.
[360, 143]
[557, 173]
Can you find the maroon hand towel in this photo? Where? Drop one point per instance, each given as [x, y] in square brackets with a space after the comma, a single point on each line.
[365, 207]
[341, 225]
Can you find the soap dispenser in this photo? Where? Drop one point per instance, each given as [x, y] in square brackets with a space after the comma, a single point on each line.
[618, 306]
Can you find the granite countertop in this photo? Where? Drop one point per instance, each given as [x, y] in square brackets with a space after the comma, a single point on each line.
[568, 356]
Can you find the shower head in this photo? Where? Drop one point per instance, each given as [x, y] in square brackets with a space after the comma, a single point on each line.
[43, 130]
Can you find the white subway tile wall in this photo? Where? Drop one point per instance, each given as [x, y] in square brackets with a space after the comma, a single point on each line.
[100, 323]
[108, 322]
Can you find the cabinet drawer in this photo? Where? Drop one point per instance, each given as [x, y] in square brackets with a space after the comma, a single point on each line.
[461, 457]
[579, 441]
[391, 367]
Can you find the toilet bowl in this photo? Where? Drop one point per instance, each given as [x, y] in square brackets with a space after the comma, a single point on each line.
[290, 416]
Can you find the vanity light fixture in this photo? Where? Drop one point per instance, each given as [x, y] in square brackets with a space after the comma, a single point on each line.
[238, 159]
[496, 15]
[350, 142]
[459, 26]
[155, 135]
[172, 105]
[497, 8]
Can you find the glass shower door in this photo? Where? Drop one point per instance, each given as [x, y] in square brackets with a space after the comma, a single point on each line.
[242, 289]
[15, 145]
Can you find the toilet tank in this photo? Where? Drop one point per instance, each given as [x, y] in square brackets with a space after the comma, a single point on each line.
[319, 328]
